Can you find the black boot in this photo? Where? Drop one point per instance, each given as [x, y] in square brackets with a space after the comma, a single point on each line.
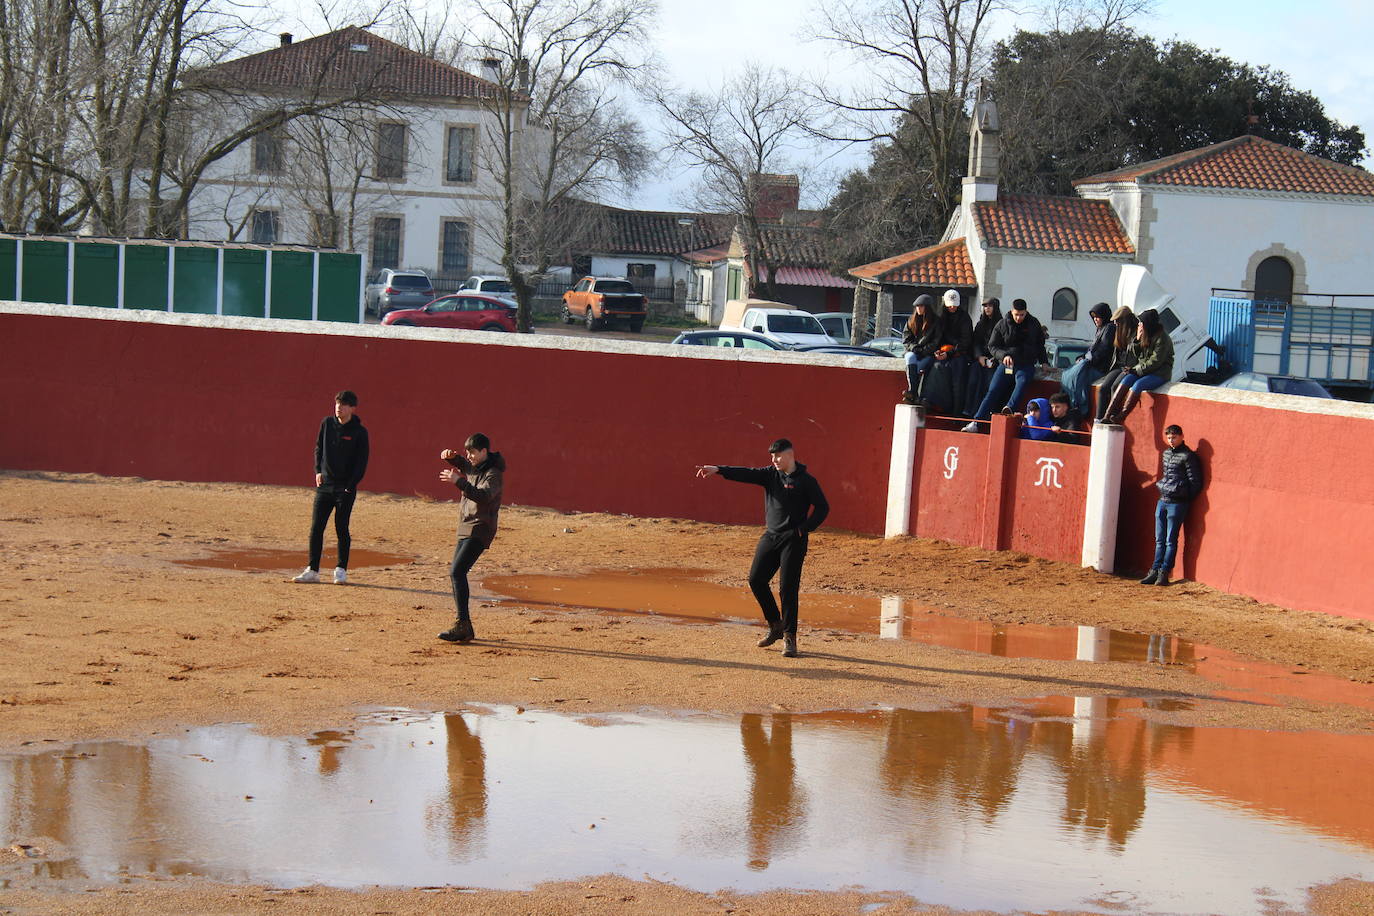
[789, 646]
[1151, 578]
[460, 632]
[1163, 578]
[772, 637]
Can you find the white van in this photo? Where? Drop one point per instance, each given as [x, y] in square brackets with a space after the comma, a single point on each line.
[774, 320]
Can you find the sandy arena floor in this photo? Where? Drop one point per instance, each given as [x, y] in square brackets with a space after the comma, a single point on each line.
[104, 635]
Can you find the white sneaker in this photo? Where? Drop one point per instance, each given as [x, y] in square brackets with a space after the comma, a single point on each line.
[308, 576]
[340, 576]
[969, 428]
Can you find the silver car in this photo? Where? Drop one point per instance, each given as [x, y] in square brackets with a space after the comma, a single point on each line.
[391, 289]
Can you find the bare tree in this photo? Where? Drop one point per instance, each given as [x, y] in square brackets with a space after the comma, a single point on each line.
[556, 132]
[755, 125]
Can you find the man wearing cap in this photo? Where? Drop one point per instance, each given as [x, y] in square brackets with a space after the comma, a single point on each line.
[794, 506]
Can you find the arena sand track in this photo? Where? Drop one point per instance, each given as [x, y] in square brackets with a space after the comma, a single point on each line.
[104, 635]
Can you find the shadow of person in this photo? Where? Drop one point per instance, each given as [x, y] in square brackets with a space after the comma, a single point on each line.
[1195, 525]
[463, 815]
[775, 805]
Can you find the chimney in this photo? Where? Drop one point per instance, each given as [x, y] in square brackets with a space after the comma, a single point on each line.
[491, 69]
[775, 195]
[523, 75]
[285, 39]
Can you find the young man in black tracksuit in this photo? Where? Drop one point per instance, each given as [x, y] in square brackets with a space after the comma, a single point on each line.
[341, 451]
[794, 506]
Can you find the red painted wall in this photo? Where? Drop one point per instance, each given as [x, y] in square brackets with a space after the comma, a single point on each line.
[1042, 513]
[948, 508]
[590, 431]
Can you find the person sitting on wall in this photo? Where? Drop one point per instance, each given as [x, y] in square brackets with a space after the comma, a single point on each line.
[1018, 343]
[983, 365]
[944, 387]
[1180, 482]
[921, 339]
[1152, 360]
[1051, 419]
[1124, 324]
[1091, 366]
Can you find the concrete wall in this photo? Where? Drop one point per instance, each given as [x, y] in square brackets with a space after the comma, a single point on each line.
[1037, 277]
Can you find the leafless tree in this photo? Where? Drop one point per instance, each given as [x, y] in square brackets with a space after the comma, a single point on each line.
[557, 133]
[758, 123]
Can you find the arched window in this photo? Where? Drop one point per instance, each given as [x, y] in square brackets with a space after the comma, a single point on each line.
[1064, 306]
[1274, 280]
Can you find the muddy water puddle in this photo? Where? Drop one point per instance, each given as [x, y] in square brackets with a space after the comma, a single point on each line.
[262, 559]
[1059, 802]
[680, 595]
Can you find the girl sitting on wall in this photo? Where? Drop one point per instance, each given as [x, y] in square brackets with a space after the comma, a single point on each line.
[1152, 365]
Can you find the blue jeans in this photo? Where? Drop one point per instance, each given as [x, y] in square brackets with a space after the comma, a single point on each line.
[1168, 522]
[1021, 377]
[1077, 383]
[1139, 383]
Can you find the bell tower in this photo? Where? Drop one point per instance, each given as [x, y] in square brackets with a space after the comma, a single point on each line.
[984, 149]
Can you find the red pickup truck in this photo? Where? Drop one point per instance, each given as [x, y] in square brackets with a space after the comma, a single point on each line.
[598, 300]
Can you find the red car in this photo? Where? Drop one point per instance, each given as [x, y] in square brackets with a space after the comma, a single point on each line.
[469, 311]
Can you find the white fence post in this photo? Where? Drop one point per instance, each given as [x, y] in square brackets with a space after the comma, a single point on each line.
[907, 420]
[1104, 497]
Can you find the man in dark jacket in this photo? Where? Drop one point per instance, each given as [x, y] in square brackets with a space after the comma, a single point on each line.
[1078, 379]
[341, 451]
[794, 506]
[944, 388]
[1180, 482]
[982, 365]
[478, 473]
[1018, 344]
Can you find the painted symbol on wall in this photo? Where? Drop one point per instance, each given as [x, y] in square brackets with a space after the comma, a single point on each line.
[1049, 472]
[951, 461]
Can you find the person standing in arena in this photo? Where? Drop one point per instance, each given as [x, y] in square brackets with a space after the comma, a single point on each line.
[341, 451]
[478, 473]
[794, 506]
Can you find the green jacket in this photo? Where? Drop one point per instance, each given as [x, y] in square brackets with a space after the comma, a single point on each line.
[1155, 357]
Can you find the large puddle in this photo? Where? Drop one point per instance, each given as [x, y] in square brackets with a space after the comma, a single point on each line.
[678, 595]
[1051, 803]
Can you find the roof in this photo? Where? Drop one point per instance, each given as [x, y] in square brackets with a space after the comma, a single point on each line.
[810, 276]
[946, 264]
[708, 255]
[1246, 163]
[1033, 222]
[347, 60]
[650, 232]
[796, 246]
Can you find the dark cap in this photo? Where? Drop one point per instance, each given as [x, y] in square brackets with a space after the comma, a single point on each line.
[925, 300]
[994, 302]
[779, 445]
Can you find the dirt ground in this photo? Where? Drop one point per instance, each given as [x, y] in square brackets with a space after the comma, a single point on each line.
[104, 635]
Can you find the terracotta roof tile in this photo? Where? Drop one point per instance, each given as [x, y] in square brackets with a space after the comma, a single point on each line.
[653, 232]
[946, 264]
[1246, 163]
[1038, 223]
[345, 61]
[797, 245]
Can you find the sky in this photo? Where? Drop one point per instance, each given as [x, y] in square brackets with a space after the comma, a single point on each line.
[1321, 44]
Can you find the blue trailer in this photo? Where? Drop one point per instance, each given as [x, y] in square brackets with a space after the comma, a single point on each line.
[1330, 344]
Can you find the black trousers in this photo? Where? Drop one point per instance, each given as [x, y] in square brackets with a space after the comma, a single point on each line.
[339, 502]
[778, 551]
[1107, 387]
[464, 555]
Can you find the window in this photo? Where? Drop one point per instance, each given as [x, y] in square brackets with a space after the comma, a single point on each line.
[324, 229]
[455, 249]
[269, 152]
[391, 150]
[265, 227]
[1064, 306]
[447, 304]
[640, 271]
[458, 154]
[734, 280]
[386, 241]
[751, 344]
[1274, 280]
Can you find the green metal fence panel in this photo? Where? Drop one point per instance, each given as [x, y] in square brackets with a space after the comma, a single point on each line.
[45, 272]
[293, 277]
[9, 250]
[145, 277]
[96, 279]
[196, 276]
[245, 282]
[340, 287]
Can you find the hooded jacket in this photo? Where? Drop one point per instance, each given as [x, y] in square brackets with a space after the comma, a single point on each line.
[1103, 349]
[341, 452]
[787, 499]
[982, 333]
[1155, 357]
[1023, 341]
[956, 330]
[480, 507]
[1180, 478]
[1039, 426]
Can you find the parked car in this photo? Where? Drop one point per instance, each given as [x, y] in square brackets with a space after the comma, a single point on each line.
[789, 327]
[467, 311]
[730, 339]
[1064, 351]
[487, 283]
[845, 350]
[598, 300]
[840, 325]
[890, 345]
[1276, 384]
[397, 289]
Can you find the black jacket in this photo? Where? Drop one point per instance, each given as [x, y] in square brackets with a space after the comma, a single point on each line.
[1180, 478]
[341, 451]
[956, 329]
[982, 334]
[787, 497]
[1103, 350]
[1023, 341]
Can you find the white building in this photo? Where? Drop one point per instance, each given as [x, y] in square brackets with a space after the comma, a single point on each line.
[405, 178]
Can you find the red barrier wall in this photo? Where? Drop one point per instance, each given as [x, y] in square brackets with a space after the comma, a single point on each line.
[948, 501]
[1047, 492]
[1287, 512]
[582, 430]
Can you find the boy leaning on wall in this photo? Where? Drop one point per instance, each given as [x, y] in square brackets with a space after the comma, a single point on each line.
[1180, 482]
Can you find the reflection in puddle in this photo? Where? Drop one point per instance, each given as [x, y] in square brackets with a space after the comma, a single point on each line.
[261, 559]
[677, 594]
[1029, 807]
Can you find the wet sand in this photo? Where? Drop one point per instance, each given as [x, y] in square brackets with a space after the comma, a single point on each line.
[104, 633]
